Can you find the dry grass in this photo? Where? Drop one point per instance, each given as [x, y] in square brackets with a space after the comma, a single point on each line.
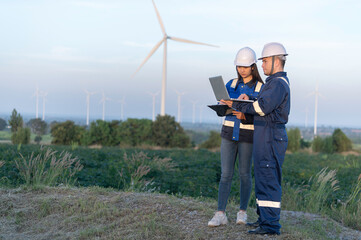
[97, 213]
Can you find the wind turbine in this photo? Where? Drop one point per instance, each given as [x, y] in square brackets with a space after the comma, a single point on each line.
[153, 96]
[88, 94]
[164, 40]
[200, 113]
[194, 111]
[179, 94]
[44, 94]
[37, 94]
[103, 100]
[316, 93]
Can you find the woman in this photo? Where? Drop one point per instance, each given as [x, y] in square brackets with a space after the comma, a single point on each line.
[237, 138]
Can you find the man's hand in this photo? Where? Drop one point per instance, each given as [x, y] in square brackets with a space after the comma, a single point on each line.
[243, 97]
[239, 115]
[227, 102]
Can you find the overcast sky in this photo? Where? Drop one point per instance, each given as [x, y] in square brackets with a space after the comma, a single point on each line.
[64, 47]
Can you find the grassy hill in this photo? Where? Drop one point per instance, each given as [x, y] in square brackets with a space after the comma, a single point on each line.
[99, 213]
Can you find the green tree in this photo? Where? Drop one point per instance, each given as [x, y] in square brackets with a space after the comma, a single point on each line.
[2, 124]
[341, 142]
[294, 139]
[327, 145]
[16, 121]
[21, 136]
[135, 132]
[166, 132]
[37, 126]
[103, 133]
[214, 141]
[317, 144]
[66, 133]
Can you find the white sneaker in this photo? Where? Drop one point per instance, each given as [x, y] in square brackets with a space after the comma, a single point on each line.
[219, 218]
[241, 217]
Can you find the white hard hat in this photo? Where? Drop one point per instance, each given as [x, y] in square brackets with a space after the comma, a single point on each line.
[245, 57]
[273, 49]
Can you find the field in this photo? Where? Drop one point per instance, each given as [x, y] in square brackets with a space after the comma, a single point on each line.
[196, 173]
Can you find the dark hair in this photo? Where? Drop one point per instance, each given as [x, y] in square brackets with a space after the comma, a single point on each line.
[254, 73]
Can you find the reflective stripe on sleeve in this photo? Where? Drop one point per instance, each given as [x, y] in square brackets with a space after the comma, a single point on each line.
[258, 109]
[258, 87]
[262, 203]
[234, 83]
[241, 126]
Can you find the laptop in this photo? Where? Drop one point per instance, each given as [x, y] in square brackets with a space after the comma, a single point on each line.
[220, 90]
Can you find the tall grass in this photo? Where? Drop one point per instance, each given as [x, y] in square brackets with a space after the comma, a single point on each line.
[317, 197]
[349, 213]
[1, 163]
[137, 166]
[47, 168]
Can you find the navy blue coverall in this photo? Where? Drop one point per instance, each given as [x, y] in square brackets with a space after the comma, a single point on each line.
[270, 141]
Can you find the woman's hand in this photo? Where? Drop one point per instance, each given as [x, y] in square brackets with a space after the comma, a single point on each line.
[239, 115]
[243, 97]
[227, 102]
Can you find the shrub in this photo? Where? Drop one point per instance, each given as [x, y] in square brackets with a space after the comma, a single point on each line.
[317, 144]
[294, 139]
[66, 133]
[21, 136]
[102, 132]
[135, 132]
[167, 132]
[214, 141]
[2, 124]
[340, 141]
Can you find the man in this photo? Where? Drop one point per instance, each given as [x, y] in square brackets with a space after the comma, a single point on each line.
[270, 111]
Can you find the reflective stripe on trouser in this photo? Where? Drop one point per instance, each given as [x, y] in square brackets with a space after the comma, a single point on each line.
[268, 153]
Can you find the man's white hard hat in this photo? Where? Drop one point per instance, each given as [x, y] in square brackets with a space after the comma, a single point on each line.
[273, 49]
[245, 57]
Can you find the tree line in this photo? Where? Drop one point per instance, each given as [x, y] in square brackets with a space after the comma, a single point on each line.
[164, 132]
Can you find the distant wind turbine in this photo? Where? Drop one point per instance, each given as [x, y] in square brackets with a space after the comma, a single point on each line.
[153, 96]
[164, 40]
[179, 94]
[316, 93]
[103, 100]
[44, 94]
[200, 113]
[194, 111]
[37, 94]
[88, 94]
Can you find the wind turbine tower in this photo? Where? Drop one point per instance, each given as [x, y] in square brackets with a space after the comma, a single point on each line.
[316, 93]
[153, 96]
[194, 111]
[37, 94]
[103, 100]
[88, 94]
[44, 94]
[179, 94]
[164, 40]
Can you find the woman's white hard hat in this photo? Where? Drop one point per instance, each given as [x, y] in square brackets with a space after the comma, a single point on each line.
[273, 49]
[245, 57]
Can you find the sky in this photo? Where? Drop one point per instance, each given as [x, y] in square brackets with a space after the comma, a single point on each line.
[66, 47]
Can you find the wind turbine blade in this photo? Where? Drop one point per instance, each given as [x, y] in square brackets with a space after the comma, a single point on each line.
[159, 19]
[189, 41]
[149, 55]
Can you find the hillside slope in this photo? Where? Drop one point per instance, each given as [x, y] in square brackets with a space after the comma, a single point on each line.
[97, 213]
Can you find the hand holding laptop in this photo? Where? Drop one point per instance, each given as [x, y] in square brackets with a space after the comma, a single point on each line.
[230, 102]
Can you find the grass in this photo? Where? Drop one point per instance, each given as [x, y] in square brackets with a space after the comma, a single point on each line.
[97, 213]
